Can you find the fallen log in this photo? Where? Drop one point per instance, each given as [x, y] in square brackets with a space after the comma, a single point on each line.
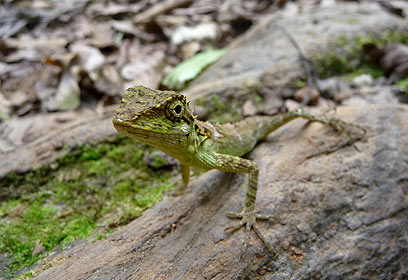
[343, 212]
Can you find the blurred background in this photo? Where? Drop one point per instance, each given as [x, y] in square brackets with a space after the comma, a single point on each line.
[65, 55]
[73, 55]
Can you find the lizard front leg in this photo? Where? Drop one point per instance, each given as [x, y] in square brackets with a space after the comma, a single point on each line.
[248, 215]
[185, 175]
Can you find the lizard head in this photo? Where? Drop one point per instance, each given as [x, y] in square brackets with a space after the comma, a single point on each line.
[159, 118]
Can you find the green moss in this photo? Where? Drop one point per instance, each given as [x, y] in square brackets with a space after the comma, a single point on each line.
[347, 60]
[26, 275]
[8, 207]
[88, 192]
[16, 234]
[220, 112]
[158, 161]
[228, 107]
[218, 104]
[100, 236]
[345, 56]
[403, 85]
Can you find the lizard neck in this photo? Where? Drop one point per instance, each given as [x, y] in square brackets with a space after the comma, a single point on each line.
[184, 147]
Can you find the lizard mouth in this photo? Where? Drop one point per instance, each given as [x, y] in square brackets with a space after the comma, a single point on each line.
[139, 131]
[118, 122]
[121, 125]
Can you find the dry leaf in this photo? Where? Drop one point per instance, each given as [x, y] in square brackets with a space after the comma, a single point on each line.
[201, 32]
[90, 58]
[68, 93]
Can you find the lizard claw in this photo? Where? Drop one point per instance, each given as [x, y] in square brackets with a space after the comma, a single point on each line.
[354, 132]
[248, 219]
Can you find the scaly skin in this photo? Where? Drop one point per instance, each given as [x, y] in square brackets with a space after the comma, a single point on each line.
[163, 119]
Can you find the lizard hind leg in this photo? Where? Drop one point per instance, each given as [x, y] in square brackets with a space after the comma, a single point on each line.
[353, 131]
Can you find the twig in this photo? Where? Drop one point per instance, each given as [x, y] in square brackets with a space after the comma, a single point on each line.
[306, 65]
[160, 8]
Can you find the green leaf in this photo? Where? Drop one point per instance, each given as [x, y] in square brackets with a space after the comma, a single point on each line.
[300, 83]
[189, 69]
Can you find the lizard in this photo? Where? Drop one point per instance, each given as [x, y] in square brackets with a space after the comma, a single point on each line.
[164, 120]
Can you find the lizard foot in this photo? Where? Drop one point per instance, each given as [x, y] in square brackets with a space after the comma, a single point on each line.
[354, 132]
[248, 219]
[179, 191]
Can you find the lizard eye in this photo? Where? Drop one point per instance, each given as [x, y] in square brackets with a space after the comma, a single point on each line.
[177, 109]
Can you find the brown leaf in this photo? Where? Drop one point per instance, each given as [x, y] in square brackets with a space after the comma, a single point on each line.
[205, 31]
[113, 9]
[90, 58]
[5, 107]
[68, 93]
[148, 70]
[312, 94]
[160, 8]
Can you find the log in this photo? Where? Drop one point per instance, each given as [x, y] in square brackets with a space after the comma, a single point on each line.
[343, 213]
[46, 137]
[266, 53]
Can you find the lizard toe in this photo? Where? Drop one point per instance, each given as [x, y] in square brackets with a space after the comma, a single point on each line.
[248, 219]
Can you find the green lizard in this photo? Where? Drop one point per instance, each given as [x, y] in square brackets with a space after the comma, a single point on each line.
[163, 119]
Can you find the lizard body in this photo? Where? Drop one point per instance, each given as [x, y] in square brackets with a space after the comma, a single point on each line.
[163, 119]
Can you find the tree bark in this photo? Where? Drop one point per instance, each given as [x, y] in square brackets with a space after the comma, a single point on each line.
[44, 138]
[266, 54]
[343, 213]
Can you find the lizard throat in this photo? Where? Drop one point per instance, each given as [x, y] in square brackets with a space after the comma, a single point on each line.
[159, 139]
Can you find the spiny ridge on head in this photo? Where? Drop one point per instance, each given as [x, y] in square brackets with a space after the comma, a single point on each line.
[139, 99]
